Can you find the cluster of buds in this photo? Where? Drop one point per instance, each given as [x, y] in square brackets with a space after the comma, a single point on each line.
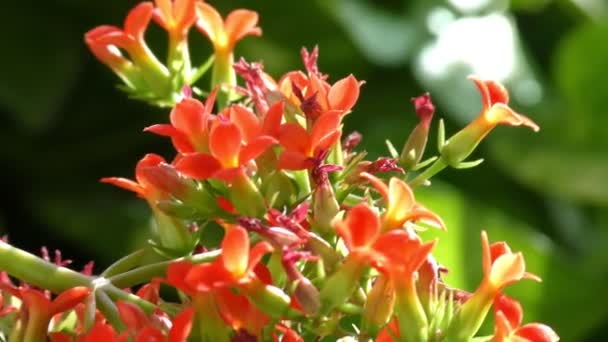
[312, 234]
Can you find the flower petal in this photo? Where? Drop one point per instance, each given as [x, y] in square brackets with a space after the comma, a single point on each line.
[360, 228]
[210, 22]
[294, 137]
[255, 148]
[400, 202]
[235, 251]
[508, 268]
[537, 332]
[137, 20]
[225, 143]
[344, 94]
[272, 119]
[149, 334]
[189, 117]
[246, 121]
[125, 184]
[69, 298]
[182, 325]
[241, 23]
[326, 125]
[289, 160]
[510, 308]
[198, 165]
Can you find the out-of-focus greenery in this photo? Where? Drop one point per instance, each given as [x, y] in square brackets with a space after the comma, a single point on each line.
[64, 125]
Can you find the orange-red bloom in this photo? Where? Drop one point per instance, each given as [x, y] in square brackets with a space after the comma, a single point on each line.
[495, 111]
[175, 16]
[301, 147]
[229, 152]
[142, 186]
[106, 41]
[225, 34]
[315, 96]
[401, 206]
[189, 128]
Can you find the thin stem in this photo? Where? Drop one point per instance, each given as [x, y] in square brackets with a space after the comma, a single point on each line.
[201, 70]
[434, 169]
[144, 274]
[38, 272]
[126, 263]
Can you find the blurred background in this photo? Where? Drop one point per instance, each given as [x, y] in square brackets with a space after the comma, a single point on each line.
[64, 125]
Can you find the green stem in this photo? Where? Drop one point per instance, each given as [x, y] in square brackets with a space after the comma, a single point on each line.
[432, 170]
[201, 70]
[38, 272]
[224, 77]
[144, 274]
[126, 263]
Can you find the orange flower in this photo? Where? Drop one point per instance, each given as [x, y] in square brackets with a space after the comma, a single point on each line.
[229, 153]
[189, 128]
[225, 34]
[238, 266]
[313, 94]
[142, 186]
[494, 111]
[401, 206]
[508, 315]
[172, 233]
[175, 16]
[301, 147]
[142, 71]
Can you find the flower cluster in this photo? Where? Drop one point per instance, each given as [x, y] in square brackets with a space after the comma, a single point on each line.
[312, 234]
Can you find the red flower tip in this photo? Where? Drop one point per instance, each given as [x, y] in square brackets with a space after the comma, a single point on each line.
[424, 107]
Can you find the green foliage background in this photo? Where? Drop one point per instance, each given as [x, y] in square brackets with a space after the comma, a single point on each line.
[64, 125]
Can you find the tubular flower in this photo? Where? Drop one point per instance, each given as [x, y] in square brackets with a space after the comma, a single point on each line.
[508, 315]
[501, 267]
[302, 147]
[143, 74]
[175, 16]
[224, 35]
[173, 234]
[401, 205]
[495, 111]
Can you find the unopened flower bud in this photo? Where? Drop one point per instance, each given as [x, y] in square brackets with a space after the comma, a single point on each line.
[414, 147]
